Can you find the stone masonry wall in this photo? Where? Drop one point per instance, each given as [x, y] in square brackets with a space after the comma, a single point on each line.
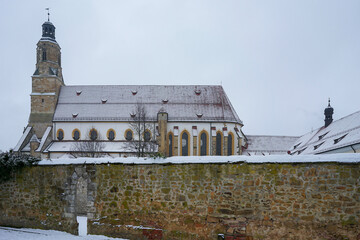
[45, 197]
[190, 201]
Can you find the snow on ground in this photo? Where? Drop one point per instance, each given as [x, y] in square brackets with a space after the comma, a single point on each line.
[82, 225]
[7, 233]
[339, 157]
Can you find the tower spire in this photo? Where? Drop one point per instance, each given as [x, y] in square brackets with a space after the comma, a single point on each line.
[328, 112]
[48, 9]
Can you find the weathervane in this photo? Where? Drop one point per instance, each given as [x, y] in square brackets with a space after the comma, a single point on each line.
[48, 9]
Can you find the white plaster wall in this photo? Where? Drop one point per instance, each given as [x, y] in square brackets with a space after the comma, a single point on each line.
[101, 127]
[121, 127]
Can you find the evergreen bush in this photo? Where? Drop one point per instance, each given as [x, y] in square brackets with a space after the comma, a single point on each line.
[11, 162]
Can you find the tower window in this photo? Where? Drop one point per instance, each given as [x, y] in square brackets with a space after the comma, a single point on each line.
[42, 100]
[44, 55]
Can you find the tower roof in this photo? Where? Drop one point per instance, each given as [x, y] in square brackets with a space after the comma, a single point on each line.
[48, 32]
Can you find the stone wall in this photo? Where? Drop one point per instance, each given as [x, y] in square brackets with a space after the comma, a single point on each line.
[189, 201]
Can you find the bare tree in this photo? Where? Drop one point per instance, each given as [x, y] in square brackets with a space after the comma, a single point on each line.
[143, 142]
[92, 146]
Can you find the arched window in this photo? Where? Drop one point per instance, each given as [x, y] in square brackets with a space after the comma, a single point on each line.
[218, 144]
[170, 137]
[60, 134]
[128, 135]
[93, 134]
[147, 135]
[185, 151]
[203, 143]
[111, 134]
[44, 55]
[76, 134]
[230, 146]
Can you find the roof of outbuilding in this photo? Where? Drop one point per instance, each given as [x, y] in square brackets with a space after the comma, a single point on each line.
[268, 145]
[340, 133]
[117, 102]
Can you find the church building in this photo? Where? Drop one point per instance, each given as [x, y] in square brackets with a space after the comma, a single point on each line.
[174, 120]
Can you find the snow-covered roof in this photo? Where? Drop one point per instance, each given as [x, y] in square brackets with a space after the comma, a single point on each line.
[351, 158]
[43, 139]
[22, 139]
[117, 102]
[339, 134]
[267, 145]
[109, 147]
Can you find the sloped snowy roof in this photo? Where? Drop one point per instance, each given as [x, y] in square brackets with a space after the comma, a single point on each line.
[267, 145]
[43, 139]
[22, 139]
[181, 102]
[340, 133]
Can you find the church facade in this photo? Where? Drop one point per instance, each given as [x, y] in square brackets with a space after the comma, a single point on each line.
[174, 120]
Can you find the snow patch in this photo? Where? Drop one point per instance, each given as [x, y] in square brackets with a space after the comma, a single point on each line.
[82, 225]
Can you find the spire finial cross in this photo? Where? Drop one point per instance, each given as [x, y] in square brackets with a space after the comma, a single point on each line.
[48, 9]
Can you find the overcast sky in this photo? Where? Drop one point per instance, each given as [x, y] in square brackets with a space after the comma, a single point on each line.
[278, 61]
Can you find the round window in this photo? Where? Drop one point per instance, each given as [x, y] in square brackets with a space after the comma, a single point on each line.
[76, 135]
[93, 134]
[111, 135]
[60, 134]
[128, 135]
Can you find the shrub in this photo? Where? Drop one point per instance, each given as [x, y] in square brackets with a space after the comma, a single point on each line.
[11, 162]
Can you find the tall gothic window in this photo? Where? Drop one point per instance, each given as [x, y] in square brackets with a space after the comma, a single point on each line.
[203, 144]
[230, 144]
[170, 145]
[218, 143]
[185, 144]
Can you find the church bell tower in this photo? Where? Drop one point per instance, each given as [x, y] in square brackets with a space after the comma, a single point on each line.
[46, 80]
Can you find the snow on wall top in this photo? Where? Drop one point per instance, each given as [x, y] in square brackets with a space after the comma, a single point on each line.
[326, 139]
[116, 102]
[340, 158]
[260, 144]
